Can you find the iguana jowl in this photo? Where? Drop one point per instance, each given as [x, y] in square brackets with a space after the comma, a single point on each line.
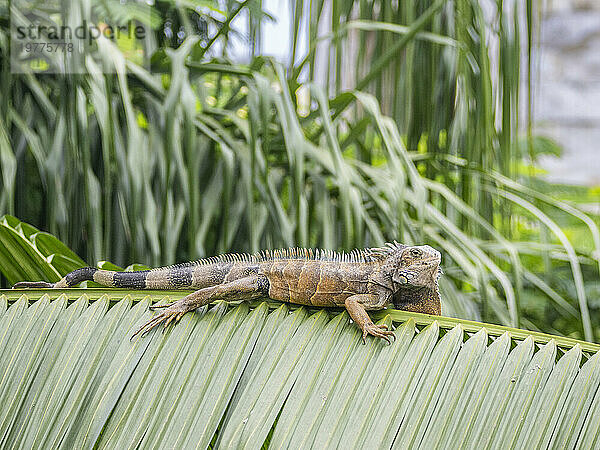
[405, 277]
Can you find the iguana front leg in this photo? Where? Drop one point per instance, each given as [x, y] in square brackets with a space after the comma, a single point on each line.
[242, 289]
[356, 306]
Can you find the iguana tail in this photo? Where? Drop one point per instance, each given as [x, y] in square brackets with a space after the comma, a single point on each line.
[135, 280]
[195, 275]
[163, 278]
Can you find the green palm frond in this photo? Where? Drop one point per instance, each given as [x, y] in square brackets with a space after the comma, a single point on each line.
[268, 375]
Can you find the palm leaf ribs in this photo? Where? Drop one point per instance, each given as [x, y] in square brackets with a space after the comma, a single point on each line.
[395, 275]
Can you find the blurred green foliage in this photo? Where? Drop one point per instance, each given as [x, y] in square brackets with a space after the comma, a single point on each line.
[401, 122]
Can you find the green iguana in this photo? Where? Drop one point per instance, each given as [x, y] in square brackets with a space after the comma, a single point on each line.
[397, 275]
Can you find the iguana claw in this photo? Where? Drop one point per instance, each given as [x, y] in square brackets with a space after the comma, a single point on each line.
[380, 331]
[174, 312]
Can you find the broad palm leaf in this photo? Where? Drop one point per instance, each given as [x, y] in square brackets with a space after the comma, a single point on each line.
[245, 377]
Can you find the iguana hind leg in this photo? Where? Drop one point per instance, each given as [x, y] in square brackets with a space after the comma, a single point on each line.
[356, 306]
[242, 289]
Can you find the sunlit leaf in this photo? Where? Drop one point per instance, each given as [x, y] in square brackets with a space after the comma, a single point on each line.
[265, 375]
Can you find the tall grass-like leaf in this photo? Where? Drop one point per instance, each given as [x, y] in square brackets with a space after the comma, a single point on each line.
[387, 127]
[9, 170]
[575, 267]
[561, 205]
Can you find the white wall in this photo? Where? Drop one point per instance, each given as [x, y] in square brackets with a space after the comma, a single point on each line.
[567, 97]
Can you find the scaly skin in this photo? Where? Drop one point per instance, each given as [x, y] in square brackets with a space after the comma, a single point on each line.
[395, 275]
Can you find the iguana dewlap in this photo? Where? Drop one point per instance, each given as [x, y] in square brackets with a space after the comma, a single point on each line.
[405, 277]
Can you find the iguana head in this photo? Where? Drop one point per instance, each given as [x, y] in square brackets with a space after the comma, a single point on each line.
[411, 268]
[417, 266]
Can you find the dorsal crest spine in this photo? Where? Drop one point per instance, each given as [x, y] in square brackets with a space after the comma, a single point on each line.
[355, 256]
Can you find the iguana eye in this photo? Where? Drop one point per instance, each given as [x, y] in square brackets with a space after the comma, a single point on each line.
[415, 252]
